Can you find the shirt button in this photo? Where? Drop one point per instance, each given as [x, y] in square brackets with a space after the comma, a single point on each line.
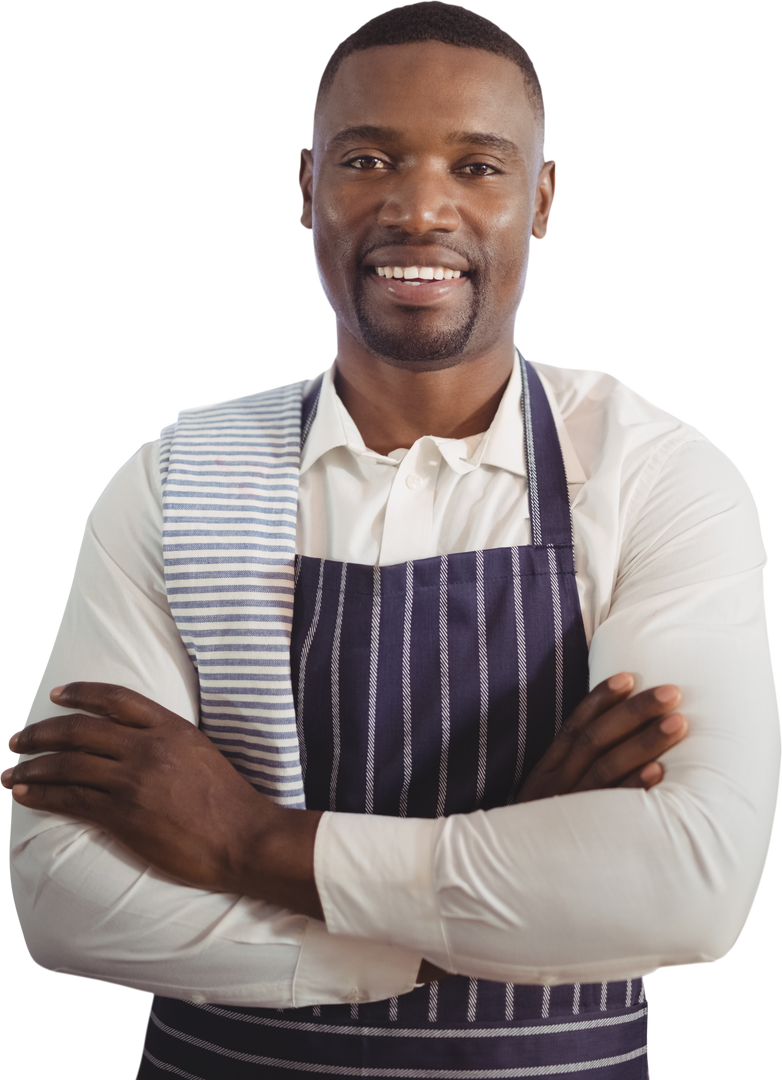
[198, 999]
[354, 995]
[415, 482]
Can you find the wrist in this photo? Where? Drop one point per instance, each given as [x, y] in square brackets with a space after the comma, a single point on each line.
[275, 860]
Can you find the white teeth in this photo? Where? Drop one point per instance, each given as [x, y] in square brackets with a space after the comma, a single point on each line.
[421, 273]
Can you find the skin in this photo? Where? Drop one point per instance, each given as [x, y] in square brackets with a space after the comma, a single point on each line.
[151, 779]
[405, 373]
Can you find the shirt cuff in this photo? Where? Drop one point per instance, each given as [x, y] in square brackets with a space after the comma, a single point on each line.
[374, 878]
[334, 969]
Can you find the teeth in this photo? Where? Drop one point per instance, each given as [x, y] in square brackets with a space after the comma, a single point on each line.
[421, 273]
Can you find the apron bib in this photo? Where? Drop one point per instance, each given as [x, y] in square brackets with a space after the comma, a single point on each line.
[427, 688]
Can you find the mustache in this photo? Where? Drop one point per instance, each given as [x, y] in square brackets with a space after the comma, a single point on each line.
[472, 256]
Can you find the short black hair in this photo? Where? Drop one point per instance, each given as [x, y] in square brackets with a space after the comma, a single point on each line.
[434, 21]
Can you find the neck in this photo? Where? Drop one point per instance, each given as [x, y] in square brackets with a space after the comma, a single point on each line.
[392, 407]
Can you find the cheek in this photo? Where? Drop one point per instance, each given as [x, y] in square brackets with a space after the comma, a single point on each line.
[334, 238]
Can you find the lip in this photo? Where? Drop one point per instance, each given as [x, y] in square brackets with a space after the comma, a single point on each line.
[420, 295]
[422, 255]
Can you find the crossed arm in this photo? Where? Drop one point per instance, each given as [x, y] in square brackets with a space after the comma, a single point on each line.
[159, 787]
[594, 885]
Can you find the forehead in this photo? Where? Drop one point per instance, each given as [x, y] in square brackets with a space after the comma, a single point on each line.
[429, 89]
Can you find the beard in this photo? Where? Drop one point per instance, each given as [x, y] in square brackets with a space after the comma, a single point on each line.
[415, 342]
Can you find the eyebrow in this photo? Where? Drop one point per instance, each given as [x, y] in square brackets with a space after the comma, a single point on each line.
[370, 133]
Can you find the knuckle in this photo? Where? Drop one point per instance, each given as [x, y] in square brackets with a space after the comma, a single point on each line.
[602, 772]
[638, 706]
[117, 696]
[157, 751]
[73, 799]
[72, 726]
[58, 766]
[588, 737]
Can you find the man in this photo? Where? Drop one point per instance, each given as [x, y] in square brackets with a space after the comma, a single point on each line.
[437, 635]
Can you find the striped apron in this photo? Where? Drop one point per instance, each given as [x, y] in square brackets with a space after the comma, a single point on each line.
[427, 688]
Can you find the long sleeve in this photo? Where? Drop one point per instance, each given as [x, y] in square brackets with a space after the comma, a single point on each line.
[614, 883]
[89, 907]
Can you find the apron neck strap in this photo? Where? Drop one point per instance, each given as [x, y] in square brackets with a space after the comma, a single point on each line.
[549, 504]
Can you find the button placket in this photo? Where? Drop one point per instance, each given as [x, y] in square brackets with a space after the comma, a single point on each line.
[408, 519]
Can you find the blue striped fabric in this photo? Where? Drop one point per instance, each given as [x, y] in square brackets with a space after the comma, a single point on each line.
[230, 477]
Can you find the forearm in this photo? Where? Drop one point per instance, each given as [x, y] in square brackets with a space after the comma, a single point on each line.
[275, 862]
[89, 907]
[578, 888]
[280, 868]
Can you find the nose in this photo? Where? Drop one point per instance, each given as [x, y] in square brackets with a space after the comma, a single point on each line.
[420, 202]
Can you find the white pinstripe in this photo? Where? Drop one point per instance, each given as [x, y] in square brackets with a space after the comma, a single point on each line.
[483, 680]
[335, 723]
[509, 1003]
[521, 653]
[305, 651]
[407, 704]
[433, 1001]
[472, 1000]
[374, 652]
[559, 650]
[399, 1074]
[445, 694]
[604, 997]
[546, 1001]
[532, 472]
[576, 998]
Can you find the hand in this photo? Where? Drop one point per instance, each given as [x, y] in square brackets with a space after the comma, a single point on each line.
[157, 784]
[609, 740]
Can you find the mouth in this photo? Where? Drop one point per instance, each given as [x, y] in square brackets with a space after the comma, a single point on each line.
[417, 286]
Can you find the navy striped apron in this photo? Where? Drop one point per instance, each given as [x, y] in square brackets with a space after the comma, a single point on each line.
[427, 688]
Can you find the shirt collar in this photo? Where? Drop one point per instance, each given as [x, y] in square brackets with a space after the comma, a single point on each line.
[502, 445]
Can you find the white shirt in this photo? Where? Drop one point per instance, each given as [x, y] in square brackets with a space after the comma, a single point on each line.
[585, 887]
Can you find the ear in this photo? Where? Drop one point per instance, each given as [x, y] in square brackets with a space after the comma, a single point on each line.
[544, 196]
[305, 181]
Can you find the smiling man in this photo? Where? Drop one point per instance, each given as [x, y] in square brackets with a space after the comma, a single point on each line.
[407, 840]
[422, 219]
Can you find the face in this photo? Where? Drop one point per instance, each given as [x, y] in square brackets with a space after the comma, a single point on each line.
[424, 185]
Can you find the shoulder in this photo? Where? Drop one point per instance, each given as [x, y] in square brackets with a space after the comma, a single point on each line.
[650, 477]
[284, 399]
[579, 391]
[608, 422]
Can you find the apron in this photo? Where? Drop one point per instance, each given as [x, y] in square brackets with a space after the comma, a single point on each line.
[427, 688]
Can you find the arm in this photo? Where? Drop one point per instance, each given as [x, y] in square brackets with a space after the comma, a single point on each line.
[88, 905]
[608, 884]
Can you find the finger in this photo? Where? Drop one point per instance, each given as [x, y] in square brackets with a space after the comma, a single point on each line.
[646, 777]
[83, 770]
[636, 752]
[117, 702]
[606, 750]
[603, 697]
[86, 803]
[94, 735]
[617, 723]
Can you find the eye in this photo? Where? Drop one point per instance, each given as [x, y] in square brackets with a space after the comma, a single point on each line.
[366, 162]
[355, 163]
[479, 168]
